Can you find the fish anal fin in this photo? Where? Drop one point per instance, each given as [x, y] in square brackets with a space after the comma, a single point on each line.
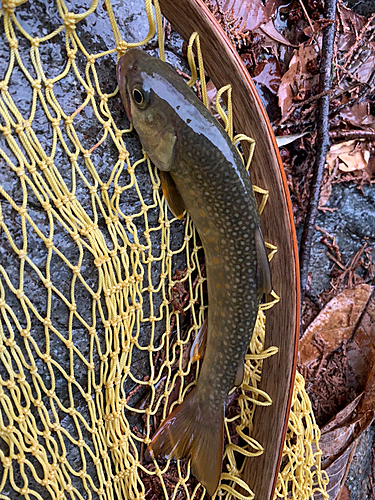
[240, 374]
[172, 195]
[264, 283]
[194, 431]
[199, 346]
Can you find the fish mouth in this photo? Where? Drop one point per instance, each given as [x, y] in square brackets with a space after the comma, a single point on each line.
[122, 83]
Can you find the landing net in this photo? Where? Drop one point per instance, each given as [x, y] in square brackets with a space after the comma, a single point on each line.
[101, 290]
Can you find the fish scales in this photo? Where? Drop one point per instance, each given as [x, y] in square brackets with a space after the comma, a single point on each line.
[208, 178]
[221, 203]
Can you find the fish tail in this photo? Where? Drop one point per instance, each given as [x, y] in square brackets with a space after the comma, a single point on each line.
[192, 431]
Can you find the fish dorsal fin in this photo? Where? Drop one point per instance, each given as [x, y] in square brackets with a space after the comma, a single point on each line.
[263, 266]
[199, 346]
[240, 374]
[172, 195]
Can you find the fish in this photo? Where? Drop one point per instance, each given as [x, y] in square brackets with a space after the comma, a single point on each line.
[203, 173]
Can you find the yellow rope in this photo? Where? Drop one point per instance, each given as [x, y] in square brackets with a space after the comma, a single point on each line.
[63, 434]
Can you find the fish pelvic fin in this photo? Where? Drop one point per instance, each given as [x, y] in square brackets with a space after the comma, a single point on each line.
[171, 194]
[199, 346]
[192, 431]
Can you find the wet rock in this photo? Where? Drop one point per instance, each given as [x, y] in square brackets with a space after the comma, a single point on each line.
[89, 370]
[362, 7]
[352, 223]
[358, 479]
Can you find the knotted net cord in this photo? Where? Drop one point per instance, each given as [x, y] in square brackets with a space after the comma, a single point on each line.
[67, 372]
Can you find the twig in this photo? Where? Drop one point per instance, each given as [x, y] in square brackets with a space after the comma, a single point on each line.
[338, 263]
[307, 17]
[348, 135]
[353, 48]
[367, 86]
[314, 98]
[136, 388]
[372, 475]
[349, 74]
[322, 144]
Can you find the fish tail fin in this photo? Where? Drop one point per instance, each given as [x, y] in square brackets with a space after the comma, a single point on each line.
[191, 431]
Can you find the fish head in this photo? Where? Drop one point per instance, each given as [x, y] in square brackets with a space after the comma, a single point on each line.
[146, 86]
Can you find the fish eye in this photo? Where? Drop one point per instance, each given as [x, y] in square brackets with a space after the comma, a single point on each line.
[139, 97]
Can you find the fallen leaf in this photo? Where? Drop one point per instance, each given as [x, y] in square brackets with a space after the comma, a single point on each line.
[338, 445]
[325, 194]
[352, 155]
[370, 169]
[344, 493]
[357, 160]
[337, 433]
[335, 322]
[298, 80]
[272, 36]
[350, 25]
[347, 322]
[337, 473]
[363, 68]
[358, 115]
[252, 12]
[268, 73]
[283, 140]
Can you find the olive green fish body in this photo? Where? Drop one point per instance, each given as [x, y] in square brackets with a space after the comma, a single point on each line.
[182, 138]
[218, 195]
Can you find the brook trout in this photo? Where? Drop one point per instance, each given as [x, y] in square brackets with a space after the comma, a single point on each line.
[202, 171]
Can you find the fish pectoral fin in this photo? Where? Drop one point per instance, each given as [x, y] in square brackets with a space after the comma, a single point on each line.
[171, 194]
[193, 429]
[240, 374]
[264, 283]
[199, 346]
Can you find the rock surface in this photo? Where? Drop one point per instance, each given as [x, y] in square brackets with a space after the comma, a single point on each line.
[95, 33]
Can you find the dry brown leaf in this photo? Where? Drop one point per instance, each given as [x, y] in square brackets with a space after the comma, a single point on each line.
[368, 402]
[371, 165]
[352, 155]
[363, 71]
[350, 25]
[361, 350]
[344, 493]
[349, 317]
[252, 12]
[337, 473]
[272, 36]
[343, 417]
[335, 322]
[357, 160]
[337, 149]
[339, 440]
[325, 194]
[298, 80]
[339, 431]
[268, 73]
[338, 446]
[358, 115]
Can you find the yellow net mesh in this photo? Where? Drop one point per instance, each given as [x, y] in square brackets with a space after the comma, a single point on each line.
[92, 353]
